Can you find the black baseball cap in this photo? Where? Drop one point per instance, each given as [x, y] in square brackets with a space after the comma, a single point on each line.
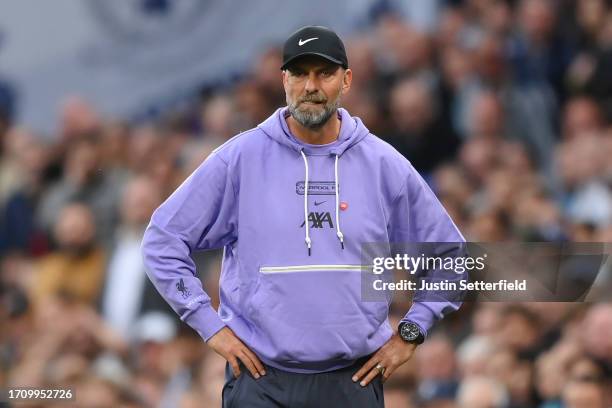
[314, 40]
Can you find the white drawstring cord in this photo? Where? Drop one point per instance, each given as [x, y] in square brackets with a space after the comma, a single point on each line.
[306, 225]
[338, 232]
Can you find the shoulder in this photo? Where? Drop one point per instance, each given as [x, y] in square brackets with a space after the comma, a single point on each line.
[238, 141]
[381, 151]
[380, 147]
[233, 147]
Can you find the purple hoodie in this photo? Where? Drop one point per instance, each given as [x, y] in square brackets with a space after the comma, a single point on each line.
[288, 288]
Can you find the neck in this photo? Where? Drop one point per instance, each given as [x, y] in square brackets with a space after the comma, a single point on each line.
[323, 135]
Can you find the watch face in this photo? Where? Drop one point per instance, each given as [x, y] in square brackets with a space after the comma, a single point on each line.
[410, 331]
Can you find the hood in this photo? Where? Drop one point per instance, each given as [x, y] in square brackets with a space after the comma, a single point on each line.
[352, 131]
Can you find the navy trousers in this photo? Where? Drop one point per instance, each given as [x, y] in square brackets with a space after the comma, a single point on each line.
[282, 389]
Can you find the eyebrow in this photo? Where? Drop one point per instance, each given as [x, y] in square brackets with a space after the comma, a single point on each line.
[330, 67]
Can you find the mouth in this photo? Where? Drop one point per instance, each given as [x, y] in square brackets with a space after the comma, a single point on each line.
[312, 103]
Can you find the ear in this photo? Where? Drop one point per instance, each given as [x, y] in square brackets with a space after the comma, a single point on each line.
[284, 76]
[346, 80]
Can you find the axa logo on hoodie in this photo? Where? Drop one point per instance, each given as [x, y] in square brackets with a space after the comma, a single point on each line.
[317, 219]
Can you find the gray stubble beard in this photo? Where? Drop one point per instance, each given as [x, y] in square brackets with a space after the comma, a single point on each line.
[314, 120]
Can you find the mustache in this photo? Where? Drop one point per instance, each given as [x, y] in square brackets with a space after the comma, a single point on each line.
[316, 98]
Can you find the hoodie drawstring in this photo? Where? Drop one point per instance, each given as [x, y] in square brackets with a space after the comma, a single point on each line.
[306, 224]
[307, 240]
[338, 232]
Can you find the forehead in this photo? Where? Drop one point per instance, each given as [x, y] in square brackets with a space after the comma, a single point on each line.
[311, 62]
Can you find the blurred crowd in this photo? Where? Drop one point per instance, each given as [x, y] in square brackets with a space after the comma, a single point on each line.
[504, 106]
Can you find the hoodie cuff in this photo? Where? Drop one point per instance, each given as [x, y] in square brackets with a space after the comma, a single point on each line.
[205, 321]
[422, 316]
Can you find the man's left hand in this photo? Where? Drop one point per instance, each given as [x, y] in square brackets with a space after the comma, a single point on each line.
[390, 356]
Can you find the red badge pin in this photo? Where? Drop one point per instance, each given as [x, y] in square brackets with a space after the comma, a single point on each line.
[343, 205]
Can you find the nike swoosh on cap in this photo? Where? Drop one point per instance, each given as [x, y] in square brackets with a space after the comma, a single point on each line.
[300, 42]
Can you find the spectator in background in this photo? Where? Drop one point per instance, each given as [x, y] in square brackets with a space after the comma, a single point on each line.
[12, 143]
[127, 293]
[78, 119]
[582, 164]
[417, 132]
[597, 334]
[486, 117]
[83, 181]
[482, 392]
[436, 372]
[265, 78]
[193, 154]
[149, 157]
[368, 93]
[362, 55]
[251, 104]
[252, 98]
[473, 355]
[518, 319]
[143, 146]
[589, 70]
[19, 230]
[478, 157]
[455, 189]
[552, 372]
[529, 110]
[514, 373]
[76, 269]
[153, 336]
[7, 106]
[217, 115]
[538, 52]
[398, 397]
[582, 116]
[584, 394]
[62, 341]
[114, 154]
[96, 393]
[404, 51]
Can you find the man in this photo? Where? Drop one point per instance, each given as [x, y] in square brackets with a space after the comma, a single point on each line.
[291, 202]
[127, 294]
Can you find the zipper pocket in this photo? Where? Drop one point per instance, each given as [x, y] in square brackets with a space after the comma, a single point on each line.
[313, 268]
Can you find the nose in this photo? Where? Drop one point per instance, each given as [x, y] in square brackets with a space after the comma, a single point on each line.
[311, 82]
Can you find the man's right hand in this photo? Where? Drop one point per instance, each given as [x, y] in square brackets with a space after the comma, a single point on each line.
[228, 345]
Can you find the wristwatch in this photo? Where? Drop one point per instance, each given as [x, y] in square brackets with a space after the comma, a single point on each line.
[410, 332]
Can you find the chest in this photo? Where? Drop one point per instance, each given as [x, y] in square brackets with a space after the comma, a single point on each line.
[278, 205]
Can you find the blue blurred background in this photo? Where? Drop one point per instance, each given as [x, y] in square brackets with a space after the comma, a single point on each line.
[106, 106]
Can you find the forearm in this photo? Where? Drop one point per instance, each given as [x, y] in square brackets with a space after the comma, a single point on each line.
[169, 266]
